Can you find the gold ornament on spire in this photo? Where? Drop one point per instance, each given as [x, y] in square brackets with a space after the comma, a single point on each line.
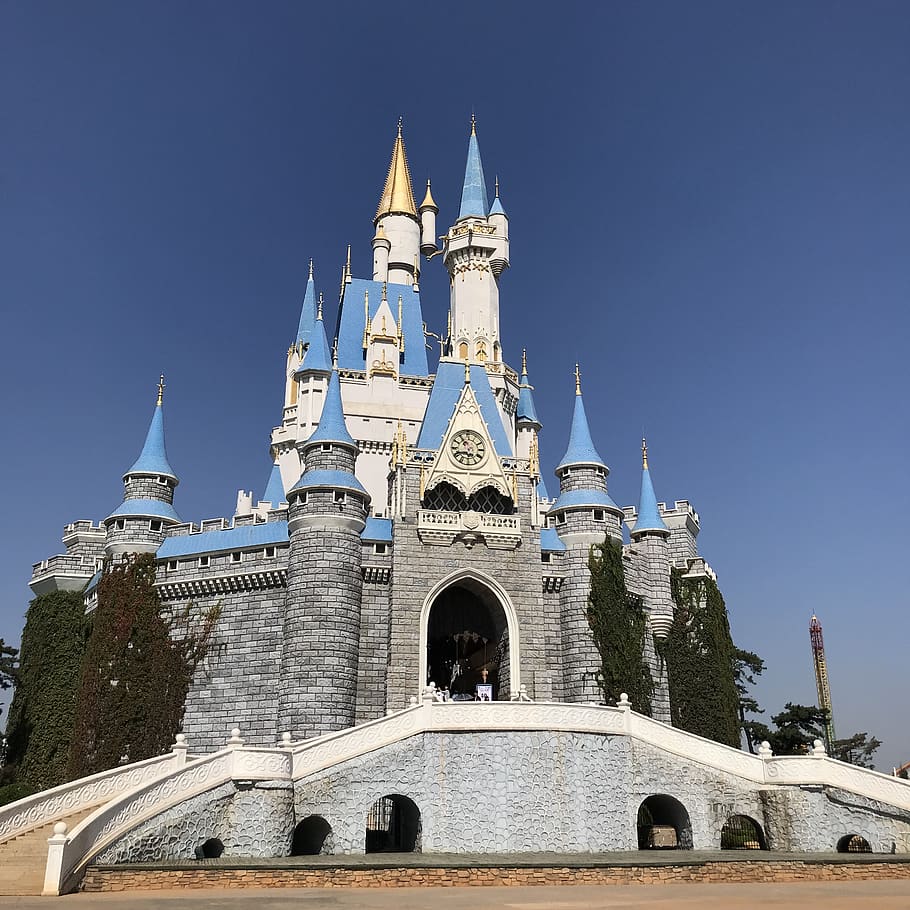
[524, 360]
[473, 125]
[397, 195]
[644, 453]
[319, 307]
[534, 457]
[577, 380]
[160, 389]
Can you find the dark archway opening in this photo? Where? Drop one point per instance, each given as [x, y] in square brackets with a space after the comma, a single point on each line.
[446, 497]
[210, 849]
[740, 832]
[393, 826]
[310, 836]
[663, 823]
[853, 843]
[468, 643]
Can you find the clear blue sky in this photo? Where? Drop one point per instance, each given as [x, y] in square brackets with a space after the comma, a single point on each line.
[710, 210]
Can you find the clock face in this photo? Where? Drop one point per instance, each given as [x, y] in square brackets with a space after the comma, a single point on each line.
[468, 448]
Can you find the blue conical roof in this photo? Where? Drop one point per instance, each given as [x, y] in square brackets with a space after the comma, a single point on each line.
[332, 427]
[648, 513]
[474, 192]
[581, 448]
[274, 491]
[153, 457]
[307, 311]
[526, 409]
[317, 357]
[496, 208]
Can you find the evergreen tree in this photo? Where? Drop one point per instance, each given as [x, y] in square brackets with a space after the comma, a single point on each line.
[856, 750]
[7, 665]
[746, 666]
[42, 712]
[619, 626]
[797, 728]
[699, 654]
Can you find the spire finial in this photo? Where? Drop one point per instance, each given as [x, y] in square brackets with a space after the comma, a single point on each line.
[577, 380]
[384, 291]
[524, 360]
[319, 308]
[160, 390]
[399, 127]
[347, 264]
[335, 353]
[644, 454]
[473, 124]
[467, 371]
[496, 184]
[311, 268]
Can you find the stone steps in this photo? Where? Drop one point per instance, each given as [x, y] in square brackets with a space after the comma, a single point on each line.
[23, 858]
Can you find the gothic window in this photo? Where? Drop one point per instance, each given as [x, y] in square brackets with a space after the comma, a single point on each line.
[463, 350]
[497, 352]
[445, 498]
[481, 351]
[490, 501]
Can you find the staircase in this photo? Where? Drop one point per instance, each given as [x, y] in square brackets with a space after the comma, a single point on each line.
[24, 857]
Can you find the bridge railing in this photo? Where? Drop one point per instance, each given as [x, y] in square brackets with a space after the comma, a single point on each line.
[70, 853]
[78, 795]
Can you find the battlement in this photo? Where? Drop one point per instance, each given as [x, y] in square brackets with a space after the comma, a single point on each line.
[64, 572]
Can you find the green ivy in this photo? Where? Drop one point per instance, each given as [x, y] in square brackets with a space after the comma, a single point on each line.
[137, 670]
[619, 626]
[699, 655]
[41, 715]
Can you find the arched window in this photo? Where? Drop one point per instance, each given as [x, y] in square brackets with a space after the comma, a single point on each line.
[481, 350]
[445, 498]
[491, 502]
[393, 826]
[463, 350]
[742, 833]
[853, 843]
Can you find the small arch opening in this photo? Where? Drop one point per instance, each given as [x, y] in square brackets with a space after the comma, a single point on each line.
[663, 824]
[853, 843]
[393, 825]
[311, 837]
[210, 849]
[740, 832]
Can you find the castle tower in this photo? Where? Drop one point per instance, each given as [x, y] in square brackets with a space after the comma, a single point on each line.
[138, 525]
[650, 538]
[527, 428]
[475, 252]
[584, 514]
[396, 245]
[327, 512]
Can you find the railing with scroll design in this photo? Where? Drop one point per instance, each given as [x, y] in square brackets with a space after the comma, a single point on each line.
[78, 795]
[69, 853]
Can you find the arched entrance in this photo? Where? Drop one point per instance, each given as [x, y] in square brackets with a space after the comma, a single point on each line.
[393, 826]
[469, 639]
[663, 822]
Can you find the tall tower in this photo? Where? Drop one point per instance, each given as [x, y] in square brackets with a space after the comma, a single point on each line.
[327, 511]
[139, 524]
[584, 514]
[821, 677]
[475, 252]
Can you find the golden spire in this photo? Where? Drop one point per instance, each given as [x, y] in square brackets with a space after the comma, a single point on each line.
[534, 456]
[524, 360]
[644, 454]
[160, 390]
[319, 307]
[577, 380]
[397, 195]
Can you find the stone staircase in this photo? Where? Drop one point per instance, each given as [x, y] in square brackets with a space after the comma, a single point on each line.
[23, 858]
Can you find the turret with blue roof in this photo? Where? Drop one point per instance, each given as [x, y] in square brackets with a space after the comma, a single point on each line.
[582, 472]
[318, 358]
[648, 520]
[474, 191]
[307, 311]
[526, 411]
[138, 524]
[327, 512]
[274, 490]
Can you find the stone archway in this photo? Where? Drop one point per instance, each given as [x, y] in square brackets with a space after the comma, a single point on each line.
[468, 625]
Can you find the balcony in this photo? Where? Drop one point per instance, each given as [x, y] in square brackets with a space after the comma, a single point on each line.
[498, 532]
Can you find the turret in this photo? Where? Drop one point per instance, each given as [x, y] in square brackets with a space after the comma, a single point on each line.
[475, 251]
[139, 524]
[500, 220]
[650, 542]
[327, 512]
[396, 220]
[297, 350]
[428, 212]
[583, 514]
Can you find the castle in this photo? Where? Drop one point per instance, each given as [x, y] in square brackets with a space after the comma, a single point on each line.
[406, 535]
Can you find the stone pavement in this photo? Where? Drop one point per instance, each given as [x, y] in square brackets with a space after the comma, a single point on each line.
[871, 895]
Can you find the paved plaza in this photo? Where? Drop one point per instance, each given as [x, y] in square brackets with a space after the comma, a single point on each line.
[871, 895]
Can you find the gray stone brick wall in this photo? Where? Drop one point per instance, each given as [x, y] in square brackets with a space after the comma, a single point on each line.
[143, 486]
